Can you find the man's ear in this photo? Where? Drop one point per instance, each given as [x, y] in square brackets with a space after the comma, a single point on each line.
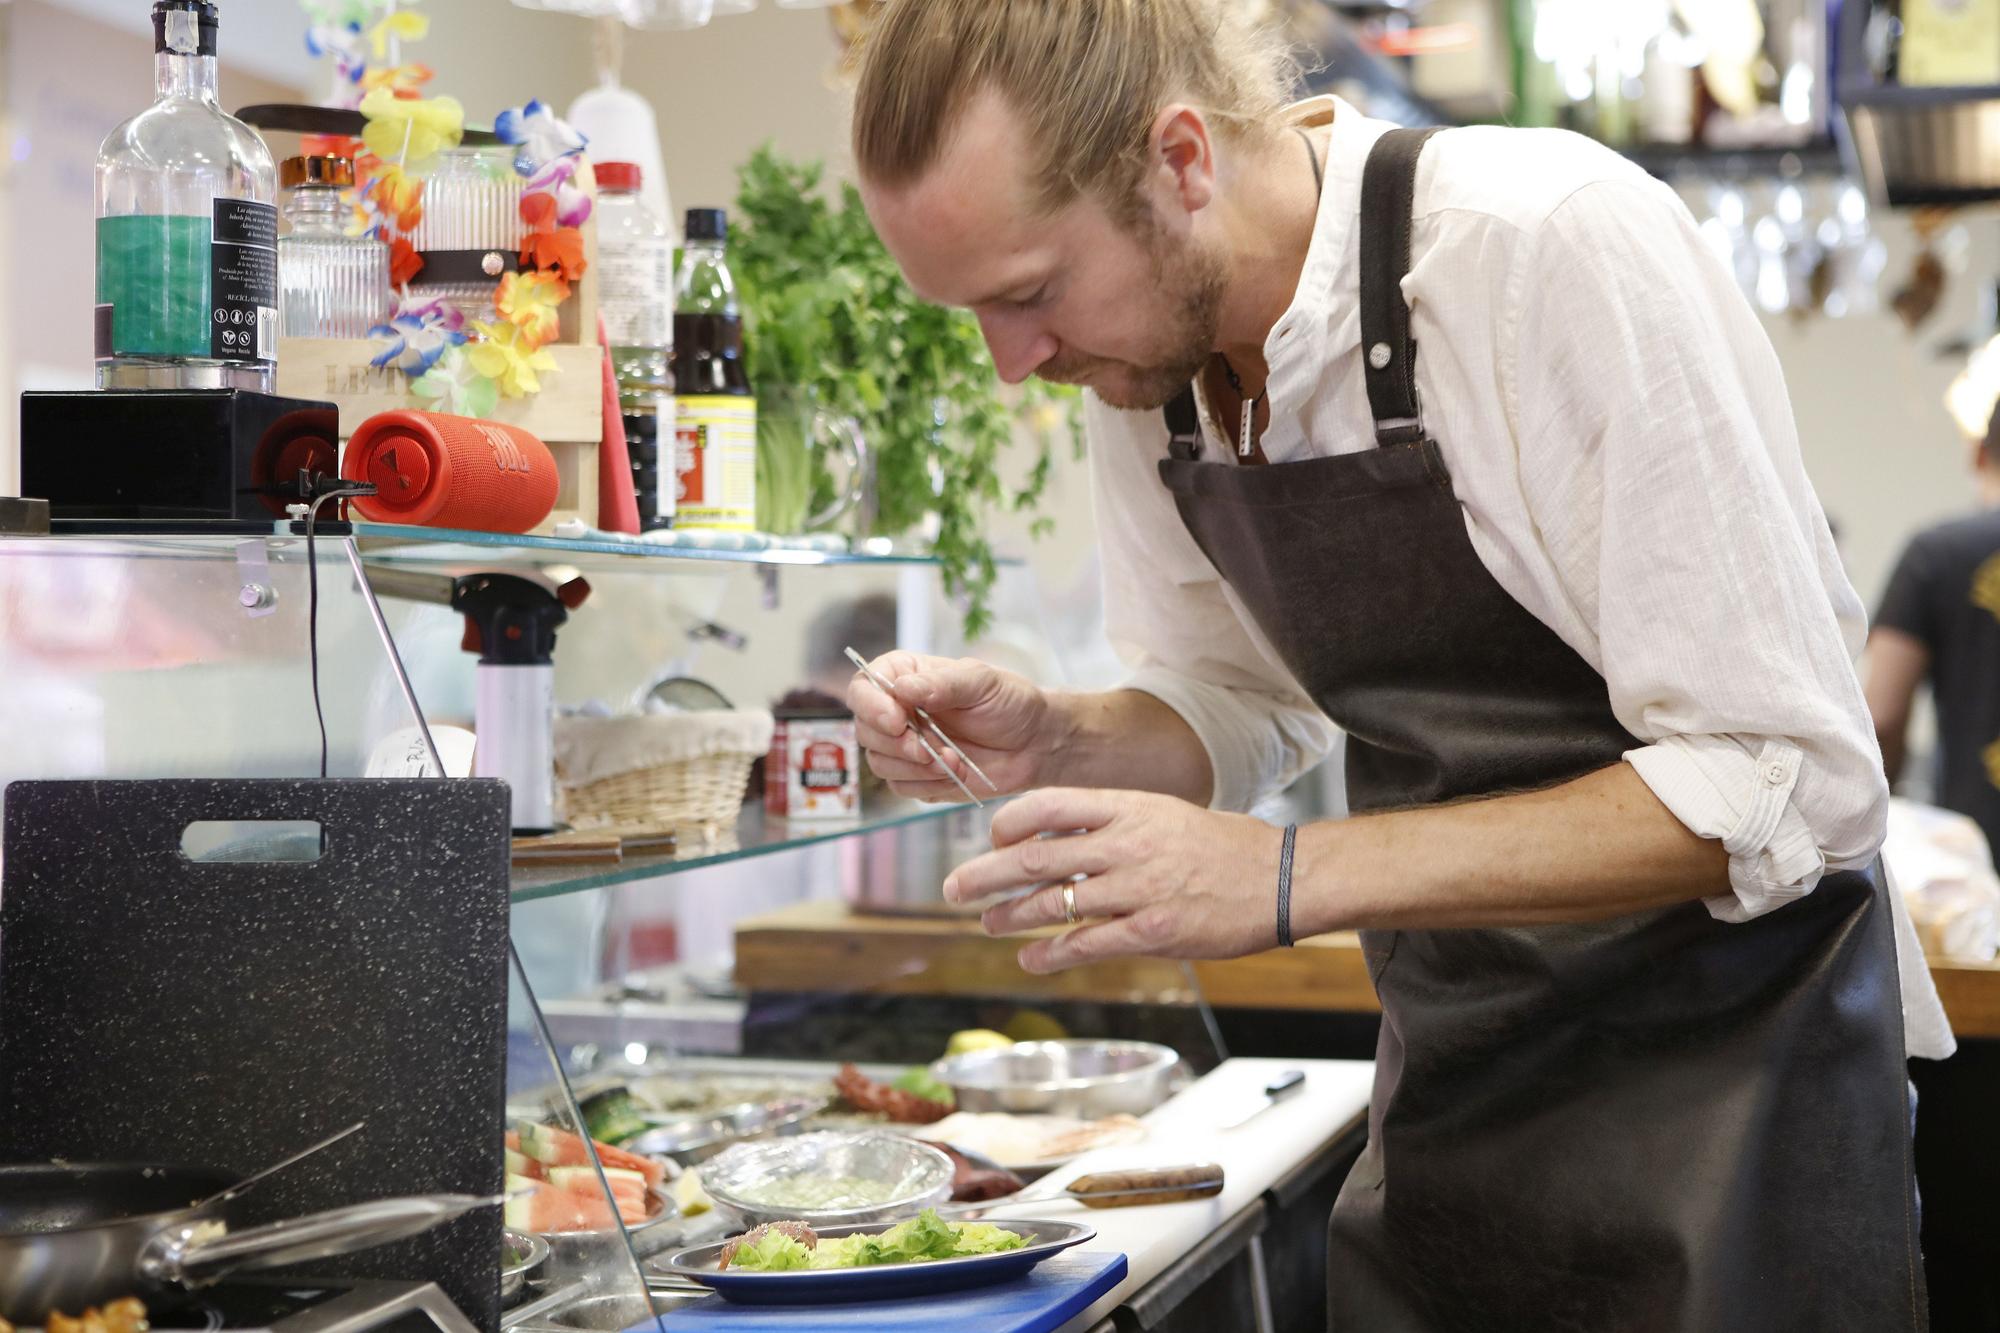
[1181, 160]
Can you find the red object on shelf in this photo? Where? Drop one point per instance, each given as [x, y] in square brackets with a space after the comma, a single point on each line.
[442, 471]
[617, 175]
[617, 501]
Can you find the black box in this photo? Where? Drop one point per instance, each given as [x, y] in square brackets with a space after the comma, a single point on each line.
[110, 459]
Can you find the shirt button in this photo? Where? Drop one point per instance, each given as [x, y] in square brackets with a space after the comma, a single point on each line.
[1774, 773]
[1379, 356]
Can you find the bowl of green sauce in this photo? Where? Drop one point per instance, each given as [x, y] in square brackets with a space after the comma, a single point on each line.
[828, 1179]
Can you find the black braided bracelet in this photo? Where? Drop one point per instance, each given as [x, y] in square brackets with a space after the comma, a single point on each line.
[1285, 887]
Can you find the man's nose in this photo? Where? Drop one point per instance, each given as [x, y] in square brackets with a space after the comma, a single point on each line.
[1018, 347]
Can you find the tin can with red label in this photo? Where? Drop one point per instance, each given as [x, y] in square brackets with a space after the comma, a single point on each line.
[814, 771]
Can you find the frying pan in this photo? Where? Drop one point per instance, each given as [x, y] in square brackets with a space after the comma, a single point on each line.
[78, 1235]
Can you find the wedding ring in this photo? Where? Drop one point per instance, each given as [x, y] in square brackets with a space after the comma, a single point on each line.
[1069, 904]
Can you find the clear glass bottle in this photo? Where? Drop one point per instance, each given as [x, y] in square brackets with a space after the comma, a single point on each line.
[330, 284]
[187, 229]
[635, 267]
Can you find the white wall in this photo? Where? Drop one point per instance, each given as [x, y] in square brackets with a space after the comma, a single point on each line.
[722, 90]
[1869, 398]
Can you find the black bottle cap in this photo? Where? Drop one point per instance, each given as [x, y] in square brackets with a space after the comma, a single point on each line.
[707, 224]
[205, 24]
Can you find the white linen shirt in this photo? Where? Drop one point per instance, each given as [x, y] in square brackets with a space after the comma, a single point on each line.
[1618, 433]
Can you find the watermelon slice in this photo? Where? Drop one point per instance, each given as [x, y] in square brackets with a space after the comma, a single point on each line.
[558, 1147]
[653, 1170]
[628, 1189]
[519, 1165]
[549, 1209]
[521, 1193]
[585, 1178]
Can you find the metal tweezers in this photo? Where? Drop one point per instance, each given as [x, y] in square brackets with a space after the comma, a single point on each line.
[924, 719]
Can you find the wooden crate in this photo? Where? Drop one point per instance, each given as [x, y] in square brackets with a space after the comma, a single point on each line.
[567, 415]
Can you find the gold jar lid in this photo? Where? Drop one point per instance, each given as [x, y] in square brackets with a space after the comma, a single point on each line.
[335, 172]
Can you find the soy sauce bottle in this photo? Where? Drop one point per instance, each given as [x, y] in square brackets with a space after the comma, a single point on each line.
[715, 410]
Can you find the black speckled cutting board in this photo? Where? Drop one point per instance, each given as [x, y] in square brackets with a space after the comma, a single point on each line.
[158, 1008]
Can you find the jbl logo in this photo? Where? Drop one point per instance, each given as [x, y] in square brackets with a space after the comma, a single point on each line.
[507, 455]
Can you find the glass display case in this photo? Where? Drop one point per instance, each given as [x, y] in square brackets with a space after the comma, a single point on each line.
[757, 979]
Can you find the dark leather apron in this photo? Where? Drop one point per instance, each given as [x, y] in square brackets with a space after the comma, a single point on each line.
[1657, 1122]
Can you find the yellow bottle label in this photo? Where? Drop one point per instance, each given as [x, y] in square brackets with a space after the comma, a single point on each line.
[715, 463]
[1948, 43]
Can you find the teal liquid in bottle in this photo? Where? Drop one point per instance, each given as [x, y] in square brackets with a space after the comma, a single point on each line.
[154, 274]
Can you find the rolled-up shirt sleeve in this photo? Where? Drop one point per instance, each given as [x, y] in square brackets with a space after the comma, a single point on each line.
[1660, 460]
[1169, 616]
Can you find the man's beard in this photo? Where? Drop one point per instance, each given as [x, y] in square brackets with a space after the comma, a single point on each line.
[1192, 280]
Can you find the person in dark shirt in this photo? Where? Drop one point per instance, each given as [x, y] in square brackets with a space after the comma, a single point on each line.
[1940, 622]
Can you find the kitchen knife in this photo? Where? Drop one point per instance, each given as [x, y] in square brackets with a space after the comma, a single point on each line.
[1276, 1091]
[1110, 1189]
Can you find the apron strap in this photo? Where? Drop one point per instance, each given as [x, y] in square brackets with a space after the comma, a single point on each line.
[1183, 427]
[1388, 194]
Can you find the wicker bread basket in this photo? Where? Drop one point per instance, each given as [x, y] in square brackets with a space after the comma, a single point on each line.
[685, 772]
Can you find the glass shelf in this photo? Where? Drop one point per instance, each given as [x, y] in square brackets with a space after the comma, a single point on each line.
[399, 544]
[753, 836]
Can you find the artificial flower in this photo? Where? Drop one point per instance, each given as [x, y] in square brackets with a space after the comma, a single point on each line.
[409, 130]
[507, 359]
[432, 312]
[403, 26]
[532, 303]
[417, 335]
[398, 79]
[332, 145]
[345, 43]
[404, 261]
[539, 211]
[395, 197]
[454, 386]
[341, 39]
[539, 136]
[557, 181]
[559, 251]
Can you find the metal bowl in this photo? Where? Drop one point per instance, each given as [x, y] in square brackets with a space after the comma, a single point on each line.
[521, 1255]
[1084, 1079]
[693, 1138]
[914, 1176]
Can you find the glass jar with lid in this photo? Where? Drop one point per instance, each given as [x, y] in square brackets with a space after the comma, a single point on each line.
[331, 284]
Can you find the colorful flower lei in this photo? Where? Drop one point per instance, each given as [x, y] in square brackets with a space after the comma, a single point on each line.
[452, 368]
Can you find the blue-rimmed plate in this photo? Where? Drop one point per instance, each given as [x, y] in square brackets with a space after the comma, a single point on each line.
[879, 1281]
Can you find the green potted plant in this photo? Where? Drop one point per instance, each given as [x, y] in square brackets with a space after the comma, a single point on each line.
[827, 313]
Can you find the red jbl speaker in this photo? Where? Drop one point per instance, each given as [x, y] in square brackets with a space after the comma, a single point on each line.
[451, 472]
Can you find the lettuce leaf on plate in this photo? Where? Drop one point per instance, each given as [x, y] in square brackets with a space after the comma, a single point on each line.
[923, 1238]
[773, 1252]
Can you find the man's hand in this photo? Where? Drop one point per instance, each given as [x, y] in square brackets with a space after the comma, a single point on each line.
[1010, 727]
[1164, 879]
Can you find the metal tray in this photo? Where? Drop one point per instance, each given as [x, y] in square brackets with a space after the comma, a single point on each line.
[882, 1282]
[698, 1136]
